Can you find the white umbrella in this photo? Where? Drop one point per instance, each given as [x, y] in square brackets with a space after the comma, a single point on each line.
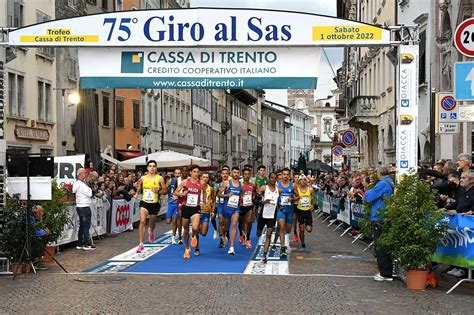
[165, 159]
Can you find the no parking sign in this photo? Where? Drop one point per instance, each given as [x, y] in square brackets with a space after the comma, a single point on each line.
[448, 109]
[348, 138]
[337, 150]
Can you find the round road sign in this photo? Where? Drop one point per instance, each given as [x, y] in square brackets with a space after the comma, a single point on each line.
[337, 150]
[348, 138]
[448, 103]
[464, 37]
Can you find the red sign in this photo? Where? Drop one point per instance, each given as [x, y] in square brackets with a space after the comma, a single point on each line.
[348, 138]
[448, 103]
[337, 150]
[464, 37]
[122, 216]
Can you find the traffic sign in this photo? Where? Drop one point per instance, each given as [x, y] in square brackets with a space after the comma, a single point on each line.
[464, 37]
[337, 150]
[348, 138]
[466, 113]
[464, 81]
[449, 127]
[448, 109]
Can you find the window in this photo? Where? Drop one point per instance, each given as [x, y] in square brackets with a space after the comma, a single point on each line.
[105, 5]
[16, 105]
[136, 114]
[274, 149]
[93, 2]
[383, 72]
[119, 114]
[72, 67]
[45, 108]
[15, 13]
[422, 66]
[273, 124]
[42, 17]
[105, 110]
[119, 5]
[156, 108]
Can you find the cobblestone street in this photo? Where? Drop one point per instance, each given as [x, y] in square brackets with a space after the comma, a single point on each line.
[319, 283]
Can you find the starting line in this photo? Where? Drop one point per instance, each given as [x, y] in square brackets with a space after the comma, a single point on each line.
[162, 257]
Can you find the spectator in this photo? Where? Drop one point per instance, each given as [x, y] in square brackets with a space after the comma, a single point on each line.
[464, 163]
[465, 198]
[83, 203]
[40, 238]
[384, 188]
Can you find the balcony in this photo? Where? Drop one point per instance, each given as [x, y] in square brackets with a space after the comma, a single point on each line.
[341, 108]
[363, 112]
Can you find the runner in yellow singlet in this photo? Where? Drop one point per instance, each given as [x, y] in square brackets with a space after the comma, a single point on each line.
[306, 202]
[208, 205]
[151, 186]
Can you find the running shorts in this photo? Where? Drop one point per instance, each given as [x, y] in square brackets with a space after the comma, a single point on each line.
[187, 212]
[305, 217]
[205, 217]
[152, 207]
[244, 209]
[172, 210]
[286, 214]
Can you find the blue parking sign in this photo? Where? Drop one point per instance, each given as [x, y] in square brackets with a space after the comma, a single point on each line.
[443, 116]
[464, 81]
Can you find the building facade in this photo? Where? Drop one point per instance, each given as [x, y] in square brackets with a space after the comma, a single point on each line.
[30, 76]
[369, 83]
[273, 124]
[202, 123]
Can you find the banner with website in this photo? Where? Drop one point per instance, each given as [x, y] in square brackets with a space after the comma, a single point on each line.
[199, 68]
[407, 126]
[458, 249]
[200, 27]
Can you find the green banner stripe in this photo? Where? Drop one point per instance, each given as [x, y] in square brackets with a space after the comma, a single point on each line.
[199, 83]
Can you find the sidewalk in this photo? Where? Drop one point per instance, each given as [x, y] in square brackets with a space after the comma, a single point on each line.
[314, 287]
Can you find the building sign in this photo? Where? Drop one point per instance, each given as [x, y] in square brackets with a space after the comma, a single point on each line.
[407, 130]
[22, 132]
[449, 127]
[466, 113]
[200, 27]
[464, 81]
[278, 68]
[448, 109]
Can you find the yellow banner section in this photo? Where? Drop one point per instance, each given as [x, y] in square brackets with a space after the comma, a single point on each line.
[336, 33]
[58, 38]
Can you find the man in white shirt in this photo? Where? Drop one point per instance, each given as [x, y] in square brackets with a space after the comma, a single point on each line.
[83, 207]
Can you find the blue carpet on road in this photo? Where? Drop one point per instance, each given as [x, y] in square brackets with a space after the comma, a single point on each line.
[212, 259]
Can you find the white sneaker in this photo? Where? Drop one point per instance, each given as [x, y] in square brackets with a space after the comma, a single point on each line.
[378, 277]
[173, 240]
[452, 271]
[215, 235]
[231, 251]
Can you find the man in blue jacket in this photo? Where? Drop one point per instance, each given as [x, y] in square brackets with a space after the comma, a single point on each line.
[375, 196]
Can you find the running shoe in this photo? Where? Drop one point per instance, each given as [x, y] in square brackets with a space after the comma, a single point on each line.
[302, 248]
[283, 252]
[180, 241]
[241, 239]
[295, 238]
[231, 251]
[140, 248]
[89, 247]
[379, 277]
[274, 246]
[194, 242]
[187, 253]
[197, 252]
[151, 236]
[248, 244]
[173, 240]
[79, 247]
[215, 235]
[221, 243]
[264, 259]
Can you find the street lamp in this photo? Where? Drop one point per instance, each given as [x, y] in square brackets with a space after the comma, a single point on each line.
[73, 99]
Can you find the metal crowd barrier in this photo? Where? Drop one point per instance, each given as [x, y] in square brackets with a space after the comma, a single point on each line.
[348, 213]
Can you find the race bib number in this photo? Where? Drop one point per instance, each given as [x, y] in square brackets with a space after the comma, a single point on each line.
[285, 201]
[192, 200]
[233, 201]
[268, 211]
[305, 202]
[247, 200]
[149, 195]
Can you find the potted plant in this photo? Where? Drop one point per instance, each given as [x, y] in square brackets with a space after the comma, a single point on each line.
[12, 238]
[56, 216]
[413, 228]
[68, 194]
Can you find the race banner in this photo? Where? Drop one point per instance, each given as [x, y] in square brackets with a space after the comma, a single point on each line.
[199, 68]
[122, 215]
[99, 210]
[65, 168]
[458, 249]
[200, 27]
[407, 126]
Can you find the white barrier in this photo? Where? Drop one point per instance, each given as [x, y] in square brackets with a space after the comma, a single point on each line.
[99, 210]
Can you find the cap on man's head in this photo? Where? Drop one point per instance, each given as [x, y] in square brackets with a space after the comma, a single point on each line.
[81, 170]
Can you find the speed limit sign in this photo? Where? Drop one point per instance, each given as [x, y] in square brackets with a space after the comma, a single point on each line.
[464, 38]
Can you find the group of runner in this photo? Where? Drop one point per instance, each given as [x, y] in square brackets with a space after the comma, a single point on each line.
[277, 202]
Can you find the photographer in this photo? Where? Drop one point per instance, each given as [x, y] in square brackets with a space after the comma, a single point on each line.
[41, 237]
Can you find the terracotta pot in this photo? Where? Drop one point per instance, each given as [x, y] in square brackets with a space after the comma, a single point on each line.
[416, 279]
[51, 250]
[21, 268]
[26, 268]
